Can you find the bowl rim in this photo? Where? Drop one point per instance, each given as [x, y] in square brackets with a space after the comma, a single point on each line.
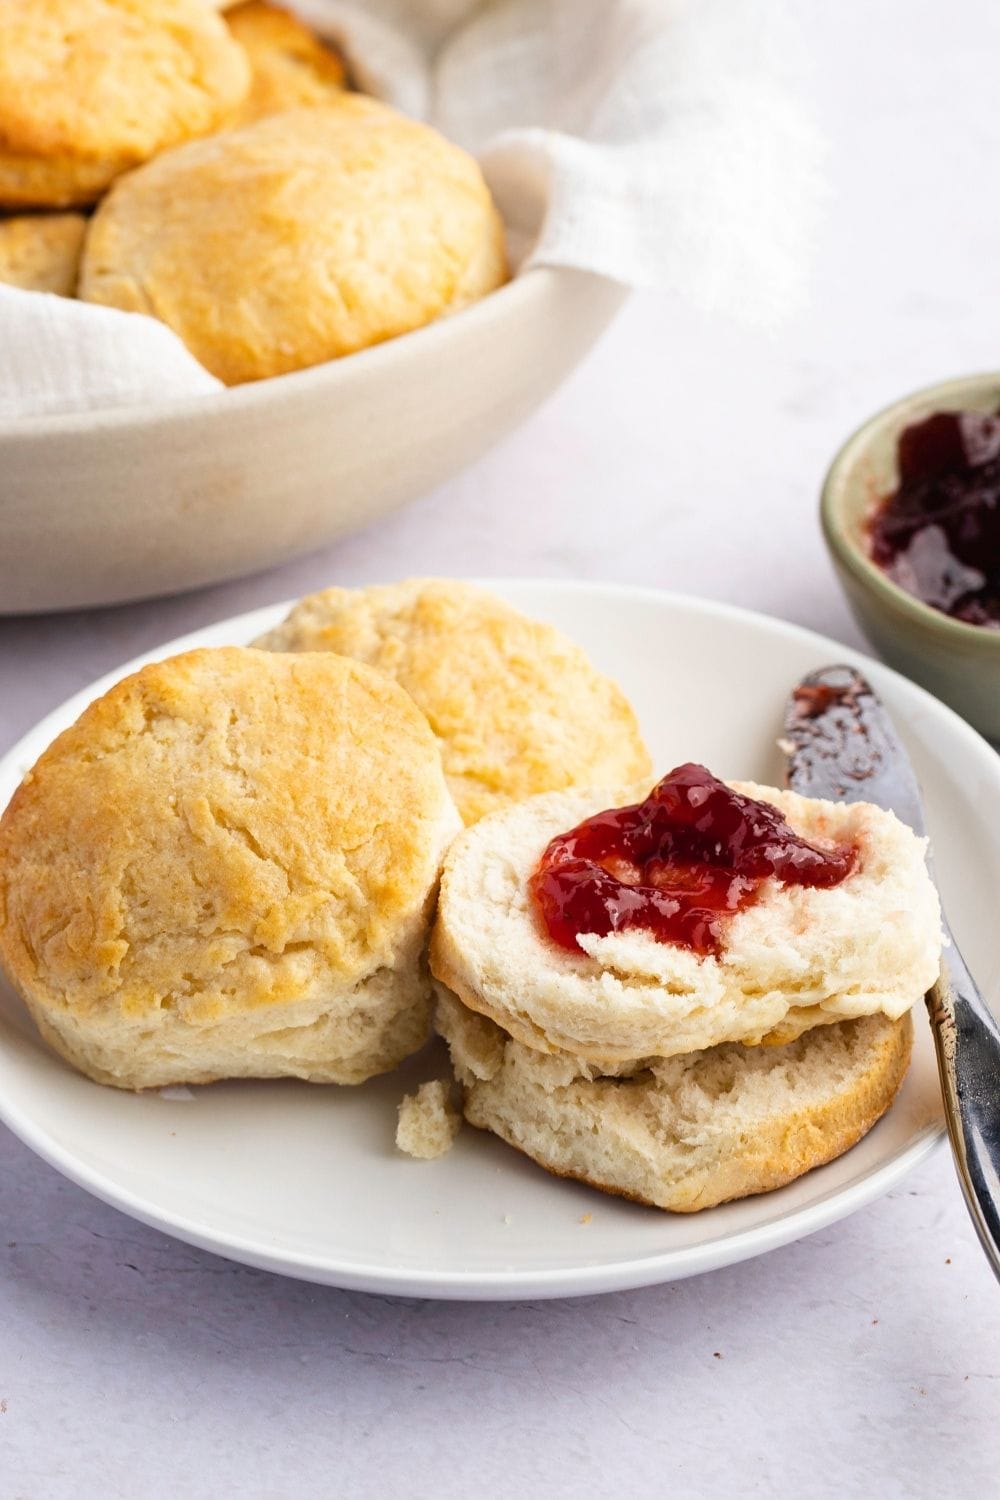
[845, 549]
[326, 378]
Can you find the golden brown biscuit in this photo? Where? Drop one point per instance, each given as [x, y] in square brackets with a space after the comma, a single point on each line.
[682, 1133]
[289, 63]
[305, 236]
[41, 252]
[517, 708]
[225, 869]
[90, 88]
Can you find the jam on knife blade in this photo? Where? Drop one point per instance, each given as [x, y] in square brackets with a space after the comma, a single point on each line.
[842, 745]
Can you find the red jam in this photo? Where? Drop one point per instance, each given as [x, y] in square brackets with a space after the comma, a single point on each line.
[694, 852]
[938, 535]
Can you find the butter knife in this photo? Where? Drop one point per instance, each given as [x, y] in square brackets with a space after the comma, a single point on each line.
[841, 744]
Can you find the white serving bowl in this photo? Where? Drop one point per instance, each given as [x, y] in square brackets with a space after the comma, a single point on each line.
[103, 507]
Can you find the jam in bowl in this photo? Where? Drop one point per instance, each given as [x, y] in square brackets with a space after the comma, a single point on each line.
[909, 514]
[937, 534]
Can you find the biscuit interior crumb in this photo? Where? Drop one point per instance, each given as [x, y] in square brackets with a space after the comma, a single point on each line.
[428, 1121]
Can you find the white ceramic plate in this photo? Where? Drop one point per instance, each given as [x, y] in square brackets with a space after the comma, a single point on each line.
[306, 1180]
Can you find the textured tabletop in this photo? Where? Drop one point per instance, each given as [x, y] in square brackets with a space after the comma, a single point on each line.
[684, 454]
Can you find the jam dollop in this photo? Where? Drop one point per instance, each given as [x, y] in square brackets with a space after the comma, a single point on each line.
[693, 853]
[938, 534]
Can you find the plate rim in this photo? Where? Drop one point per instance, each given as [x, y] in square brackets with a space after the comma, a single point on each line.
[497, 1284]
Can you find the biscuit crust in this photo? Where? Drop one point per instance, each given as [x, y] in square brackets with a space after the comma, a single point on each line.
[303, 237]
[516, 706]
[41, 252]
[798, 958]
[225, 868]
[290, 64]
[91, 88]
[688, 1132]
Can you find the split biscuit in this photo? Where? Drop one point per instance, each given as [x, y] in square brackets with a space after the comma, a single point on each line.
[225, 869]
[517, 707]
[91, 88]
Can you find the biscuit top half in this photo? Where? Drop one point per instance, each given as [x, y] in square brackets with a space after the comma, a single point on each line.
[89, 88]
[516, 706]
[228, 827]
[798, 957]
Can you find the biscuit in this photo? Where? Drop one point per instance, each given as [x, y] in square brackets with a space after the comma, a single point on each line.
[91, 88]
[798, 957]
[517, 708]
[41, 252]
[688, 1132]
[289, 64]
[305, 236]
[225, 869]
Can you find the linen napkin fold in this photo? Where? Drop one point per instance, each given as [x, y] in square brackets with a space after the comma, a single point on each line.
[659, 143]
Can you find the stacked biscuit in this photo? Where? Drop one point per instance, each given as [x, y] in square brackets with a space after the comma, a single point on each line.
[244, 197]
[672, 1077]
[228, 867]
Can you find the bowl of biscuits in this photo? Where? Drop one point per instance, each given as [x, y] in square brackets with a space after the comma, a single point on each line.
[334, 273]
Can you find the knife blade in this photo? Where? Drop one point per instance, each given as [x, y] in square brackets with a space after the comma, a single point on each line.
[841, 744]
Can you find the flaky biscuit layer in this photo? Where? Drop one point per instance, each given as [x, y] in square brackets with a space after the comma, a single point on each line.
[687, 1132]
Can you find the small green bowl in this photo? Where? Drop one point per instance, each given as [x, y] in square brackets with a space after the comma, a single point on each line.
[959, 663]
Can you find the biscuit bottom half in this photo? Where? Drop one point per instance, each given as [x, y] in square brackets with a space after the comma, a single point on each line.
[687, 1132]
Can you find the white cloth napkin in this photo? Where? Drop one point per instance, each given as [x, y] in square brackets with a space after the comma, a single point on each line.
[661, 143]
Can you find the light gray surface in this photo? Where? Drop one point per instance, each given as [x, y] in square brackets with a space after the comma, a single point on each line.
[864, 1360]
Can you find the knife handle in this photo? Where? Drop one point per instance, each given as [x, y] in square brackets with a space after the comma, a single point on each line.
[967, 1039]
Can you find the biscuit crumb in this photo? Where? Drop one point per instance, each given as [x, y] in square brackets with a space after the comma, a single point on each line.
[428, 1121]
[585, 1218]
